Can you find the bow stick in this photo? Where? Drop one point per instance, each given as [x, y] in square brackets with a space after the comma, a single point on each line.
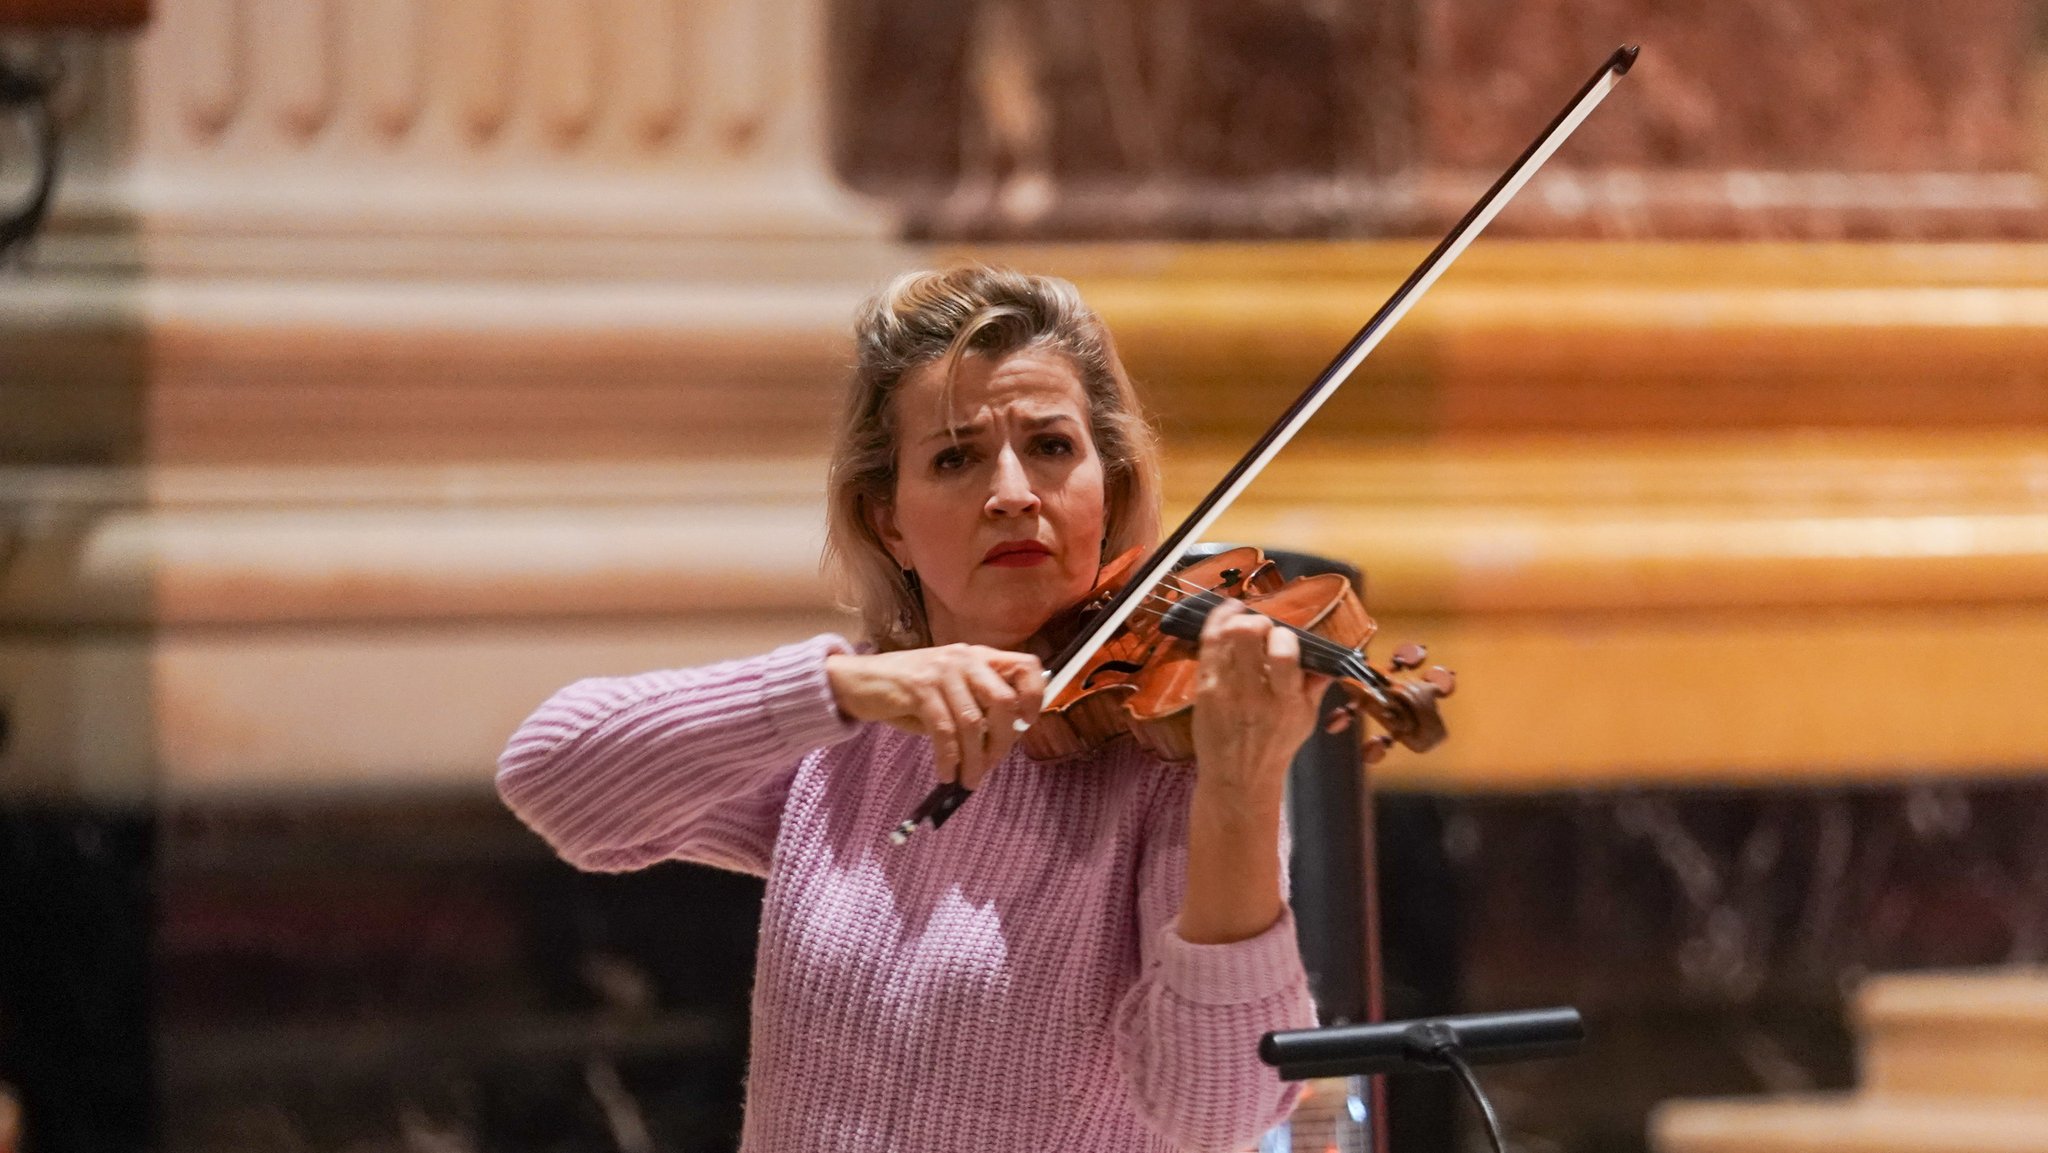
[1067, 665]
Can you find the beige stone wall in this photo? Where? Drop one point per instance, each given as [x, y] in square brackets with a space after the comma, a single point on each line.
[391, 364]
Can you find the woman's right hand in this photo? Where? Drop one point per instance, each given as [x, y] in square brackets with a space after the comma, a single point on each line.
[966, 698]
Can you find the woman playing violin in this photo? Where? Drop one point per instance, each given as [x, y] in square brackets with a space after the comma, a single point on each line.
[1085, 957]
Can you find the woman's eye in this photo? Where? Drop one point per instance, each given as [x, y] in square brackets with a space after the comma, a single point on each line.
[949, 459]
[1055, 446]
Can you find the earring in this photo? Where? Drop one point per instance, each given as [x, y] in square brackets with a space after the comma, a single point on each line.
[912, 622]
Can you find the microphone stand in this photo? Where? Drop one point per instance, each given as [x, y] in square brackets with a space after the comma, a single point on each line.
[1437, 1044]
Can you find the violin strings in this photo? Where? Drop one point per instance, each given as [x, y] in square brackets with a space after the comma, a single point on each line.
[1200, 595]
[1337, 653]
[1212, 598]
[1343, 655]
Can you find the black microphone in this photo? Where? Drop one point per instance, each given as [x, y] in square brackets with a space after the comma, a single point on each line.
[1389, 1046]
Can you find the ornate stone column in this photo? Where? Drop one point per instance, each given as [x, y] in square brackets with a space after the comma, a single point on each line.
[465, 301]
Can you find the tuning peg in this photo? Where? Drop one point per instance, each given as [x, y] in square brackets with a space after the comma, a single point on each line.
[1374, 748]
[1340, 718]
[1409, 656]
[1443, 680]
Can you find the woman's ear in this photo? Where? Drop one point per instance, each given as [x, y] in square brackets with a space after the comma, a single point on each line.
[881, 517]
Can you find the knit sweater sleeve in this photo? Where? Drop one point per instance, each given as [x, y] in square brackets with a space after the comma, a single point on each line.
[617, 773]
[1188, 1030]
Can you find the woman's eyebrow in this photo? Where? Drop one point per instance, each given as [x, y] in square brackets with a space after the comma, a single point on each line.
[1037, 422]
[1031, 424]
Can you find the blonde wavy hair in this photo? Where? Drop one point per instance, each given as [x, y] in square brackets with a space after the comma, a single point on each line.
[938, 317]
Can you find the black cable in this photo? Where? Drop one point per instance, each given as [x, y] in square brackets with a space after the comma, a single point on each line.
[1457, 1064]
[1436, 1044]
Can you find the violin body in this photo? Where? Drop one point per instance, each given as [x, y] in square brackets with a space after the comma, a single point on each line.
[1143, 682]
[1096, 707]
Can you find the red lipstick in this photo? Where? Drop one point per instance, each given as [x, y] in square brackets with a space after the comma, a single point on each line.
[1016, 554]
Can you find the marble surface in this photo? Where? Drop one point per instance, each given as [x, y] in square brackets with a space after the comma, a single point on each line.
[411, 974]
[1873, 87]
[416, 972]
[1709, 937]
[1198, 118]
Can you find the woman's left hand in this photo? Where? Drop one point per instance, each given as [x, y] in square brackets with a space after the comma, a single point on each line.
[1254, 706]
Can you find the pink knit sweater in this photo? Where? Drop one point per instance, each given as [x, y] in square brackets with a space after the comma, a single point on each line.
[1011, 982]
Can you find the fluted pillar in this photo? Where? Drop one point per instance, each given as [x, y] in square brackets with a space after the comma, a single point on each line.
[271, 128]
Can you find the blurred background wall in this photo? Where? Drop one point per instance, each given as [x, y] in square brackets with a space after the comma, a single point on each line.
[389, 364]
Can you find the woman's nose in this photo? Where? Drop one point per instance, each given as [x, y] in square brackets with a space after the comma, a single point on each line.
[1010, 493]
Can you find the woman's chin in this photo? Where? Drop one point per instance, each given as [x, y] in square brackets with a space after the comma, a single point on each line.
[1013, 629]
[1020, 602]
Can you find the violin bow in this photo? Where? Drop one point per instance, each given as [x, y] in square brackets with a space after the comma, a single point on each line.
[1067, 665]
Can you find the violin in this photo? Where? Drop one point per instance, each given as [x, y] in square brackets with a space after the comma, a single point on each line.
[1130, 671]
[1142, 682]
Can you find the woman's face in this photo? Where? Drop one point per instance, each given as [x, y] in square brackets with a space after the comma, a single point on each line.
[999, 498]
